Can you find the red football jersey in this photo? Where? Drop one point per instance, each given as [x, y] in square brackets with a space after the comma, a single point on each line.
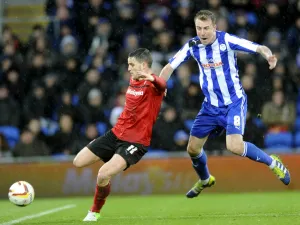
[143, 101]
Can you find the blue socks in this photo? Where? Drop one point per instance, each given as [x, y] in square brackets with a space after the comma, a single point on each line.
[250, 151]
[254, 153]
[200, 165]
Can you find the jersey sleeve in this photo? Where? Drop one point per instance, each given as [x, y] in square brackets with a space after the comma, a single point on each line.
[240, 44]
[181, 56]
[159, 83]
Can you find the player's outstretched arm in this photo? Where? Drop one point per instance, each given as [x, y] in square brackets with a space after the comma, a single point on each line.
[158, 82]
[145, 76]
[166, 72]
[267, 54]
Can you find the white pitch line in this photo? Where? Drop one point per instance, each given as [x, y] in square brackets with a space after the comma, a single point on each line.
[38, 214]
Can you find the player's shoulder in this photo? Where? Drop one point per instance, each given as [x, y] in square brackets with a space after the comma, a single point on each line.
[229, 36]
[222, 34]
[194, 41]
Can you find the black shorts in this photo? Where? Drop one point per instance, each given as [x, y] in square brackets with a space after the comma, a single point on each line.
[108, 145]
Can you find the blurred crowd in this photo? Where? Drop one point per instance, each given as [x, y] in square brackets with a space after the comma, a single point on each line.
[67, 84]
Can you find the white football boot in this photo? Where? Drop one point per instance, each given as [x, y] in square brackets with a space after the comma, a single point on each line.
[92, 216]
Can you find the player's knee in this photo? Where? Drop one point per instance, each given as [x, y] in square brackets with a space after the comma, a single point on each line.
[103, 178]
[77, 162]
[193, 150]
[236, 147]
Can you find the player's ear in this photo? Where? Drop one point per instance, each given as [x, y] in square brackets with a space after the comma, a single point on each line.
[144, 65]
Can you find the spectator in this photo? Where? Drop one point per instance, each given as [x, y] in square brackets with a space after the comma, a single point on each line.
[36, 70]
[253, 132]
[35, 102]
[66, 107]
[9, 109]
[41, 46]
[61, 142]
[52, 90]
[93, 111]
[193, 97]
[92, 80]
[278, 115]
[70, 76]
[254, 105]
[89, 135]
[34, 126]
[102, 36]
[15, 84]
[165, 128]
[181, 139]
[30, 146]
[293, 35]
[117, 109]
[4, 147]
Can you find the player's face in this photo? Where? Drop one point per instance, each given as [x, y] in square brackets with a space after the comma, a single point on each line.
[206, 31]
[133, 67]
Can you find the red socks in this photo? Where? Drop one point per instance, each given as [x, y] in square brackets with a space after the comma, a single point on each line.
[100, 197]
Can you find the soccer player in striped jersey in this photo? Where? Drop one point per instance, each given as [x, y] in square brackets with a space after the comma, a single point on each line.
[225, 103]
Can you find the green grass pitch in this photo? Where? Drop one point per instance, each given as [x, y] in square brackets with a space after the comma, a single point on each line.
[208, 209]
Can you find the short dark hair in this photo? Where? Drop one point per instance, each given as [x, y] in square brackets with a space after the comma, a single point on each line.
[206, 15]
[142, 55]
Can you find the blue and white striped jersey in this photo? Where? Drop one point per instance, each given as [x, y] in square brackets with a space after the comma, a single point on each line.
[219, 77]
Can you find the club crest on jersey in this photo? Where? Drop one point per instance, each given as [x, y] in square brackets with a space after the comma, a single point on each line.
[222, 47]
[135, 93]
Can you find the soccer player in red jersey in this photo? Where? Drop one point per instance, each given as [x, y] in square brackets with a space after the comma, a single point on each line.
[126, 143]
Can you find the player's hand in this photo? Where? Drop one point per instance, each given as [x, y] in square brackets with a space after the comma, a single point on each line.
[166, 92]
[272, 60]
[145, 76]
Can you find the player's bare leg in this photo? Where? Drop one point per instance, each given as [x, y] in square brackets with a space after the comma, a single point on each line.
[114, 166]
[199, 159]
[85, 158]
[236, 145]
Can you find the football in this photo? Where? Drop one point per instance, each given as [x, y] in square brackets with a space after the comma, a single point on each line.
[21, 193]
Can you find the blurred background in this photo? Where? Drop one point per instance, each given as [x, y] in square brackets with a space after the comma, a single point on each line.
[63, 71]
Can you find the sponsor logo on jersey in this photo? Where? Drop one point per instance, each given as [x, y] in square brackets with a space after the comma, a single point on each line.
[135, 93]
[211, 65]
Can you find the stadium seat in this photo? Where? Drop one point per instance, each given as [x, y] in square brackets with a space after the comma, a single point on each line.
[75, 100]
[60, 157]
[49, 127]
[298, 108]
[170, 83]
[297, 139]
[195, 78]
[107, 113]
[188, 124]
[298, 104]
[101, 128]
[297, 124]
[11, 133]
[54, 116]
[279, 140]
[258, 122]
[156, 153]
